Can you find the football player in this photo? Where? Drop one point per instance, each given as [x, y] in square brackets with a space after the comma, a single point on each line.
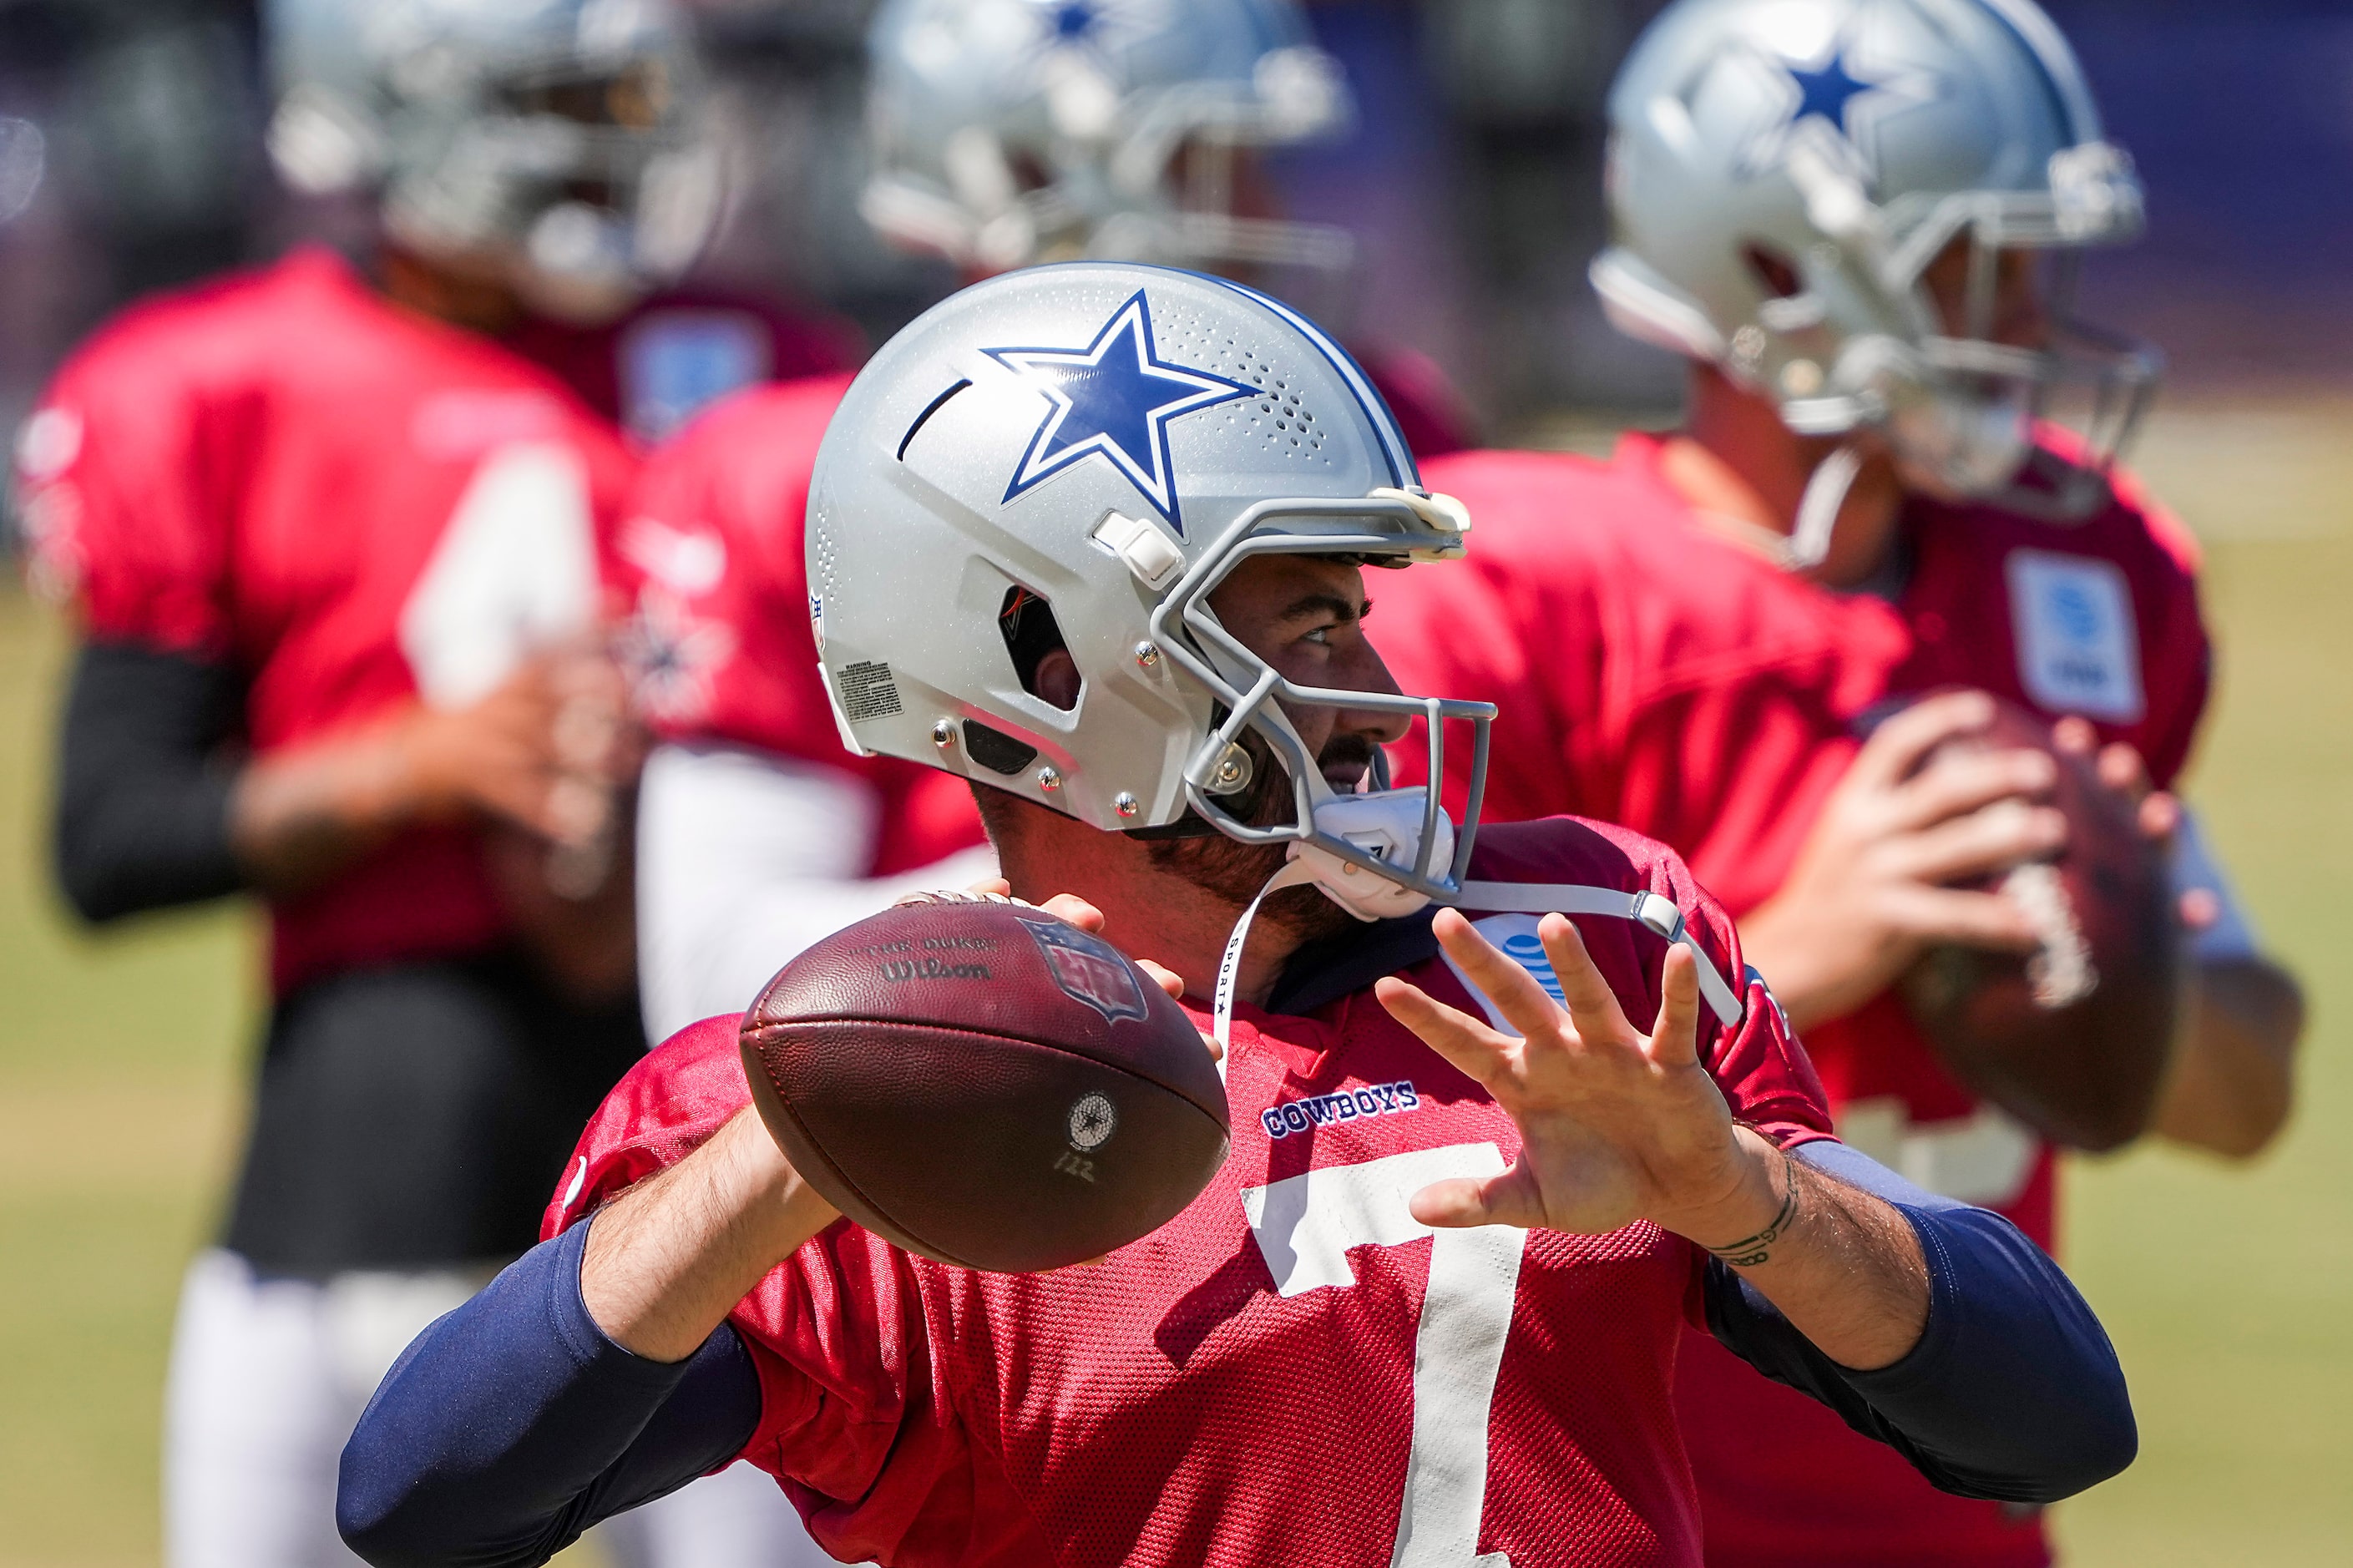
[1376, 1339]
[335, 562]
[1856, 221]
[559, 204]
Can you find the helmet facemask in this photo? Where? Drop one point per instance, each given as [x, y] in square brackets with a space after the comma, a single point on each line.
[1377, 851]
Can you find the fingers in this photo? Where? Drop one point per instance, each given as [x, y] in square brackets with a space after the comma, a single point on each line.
[2159, 816]
[1483, 1055]
[1168, 980]
[2199, 908]
[1075, 910]
[1897, 746]
[1675, 1039]
[1988, 920]
[1959, 782]
[2121, 767]
[1524, 1003]
[992, 887]
[1592, 1004]
[1991, 839]
[1512, 1198]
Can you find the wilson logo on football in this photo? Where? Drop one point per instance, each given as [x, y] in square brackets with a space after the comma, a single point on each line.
[1090, 969]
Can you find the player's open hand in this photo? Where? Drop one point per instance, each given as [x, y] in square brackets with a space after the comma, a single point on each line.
[1616, 1125]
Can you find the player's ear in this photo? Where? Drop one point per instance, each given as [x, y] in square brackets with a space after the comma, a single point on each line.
[1057, 679]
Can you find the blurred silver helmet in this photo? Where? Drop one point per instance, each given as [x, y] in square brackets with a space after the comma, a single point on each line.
[1852, 142]
[1091, 448]
[564, 140]
[1007, 132]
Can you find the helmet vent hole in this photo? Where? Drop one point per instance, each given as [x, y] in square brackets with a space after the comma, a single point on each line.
[1774, 272]
[994, 750]
[1033, 637]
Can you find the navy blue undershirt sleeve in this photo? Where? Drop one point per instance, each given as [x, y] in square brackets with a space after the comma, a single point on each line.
[512, 1425]
[2013, 1392]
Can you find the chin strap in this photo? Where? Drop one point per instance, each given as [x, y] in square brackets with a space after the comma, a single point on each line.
[1817, 508]
[1294, 874]
[1649, 910]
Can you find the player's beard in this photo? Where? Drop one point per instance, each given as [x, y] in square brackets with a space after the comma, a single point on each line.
[1235, 872]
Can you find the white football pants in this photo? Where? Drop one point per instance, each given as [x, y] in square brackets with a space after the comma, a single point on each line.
[267, 1379]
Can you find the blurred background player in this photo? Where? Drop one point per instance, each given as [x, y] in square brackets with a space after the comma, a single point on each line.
[1009, 133]
[1857, 224]
[1005, 133]
[561, 209]
[336, 558]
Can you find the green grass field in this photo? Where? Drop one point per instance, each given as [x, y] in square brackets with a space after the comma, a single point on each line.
[121, 1060]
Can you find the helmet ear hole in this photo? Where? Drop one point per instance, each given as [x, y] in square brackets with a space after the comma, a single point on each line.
[1774, 271]
[1033, 637]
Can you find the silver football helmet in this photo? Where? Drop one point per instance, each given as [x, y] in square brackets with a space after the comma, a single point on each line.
[1008, 131]
[1104, 443]
[1851, 142]
[564, 139]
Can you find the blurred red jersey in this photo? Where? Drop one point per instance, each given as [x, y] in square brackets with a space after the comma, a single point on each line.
[1293, 1370]
[355, 506]
[1652, 673]
[719, 643]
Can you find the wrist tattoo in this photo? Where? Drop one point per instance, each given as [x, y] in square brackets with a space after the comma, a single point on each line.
[1751, 1250]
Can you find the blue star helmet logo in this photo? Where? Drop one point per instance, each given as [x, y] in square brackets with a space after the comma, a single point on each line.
[1825, 91]
[1845, 95]
[1113, 399]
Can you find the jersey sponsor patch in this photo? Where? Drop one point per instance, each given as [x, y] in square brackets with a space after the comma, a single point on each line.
[673, 362]
[1348, 1105]
[2077, 650]
[1515, 936]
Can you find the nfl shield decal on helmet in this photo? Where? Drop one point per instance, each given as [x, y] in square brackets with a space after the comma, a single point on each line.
[1090, 969]
[1112, 398]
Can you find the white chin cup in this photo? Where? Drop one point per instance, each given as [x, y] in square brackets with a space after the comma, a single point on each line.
[1387, 826]
[1962, 445]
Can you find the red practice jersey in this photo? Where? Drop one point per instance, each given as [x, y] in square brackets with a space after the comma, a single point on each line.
[353, 506]
[1652, 673]
[1292, 1367]
[720, 641]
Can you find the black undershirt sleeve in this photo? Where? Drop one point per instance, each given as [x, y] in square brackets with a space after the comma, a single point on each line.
[512, 1425]
[143, 782]
[2013, 1392]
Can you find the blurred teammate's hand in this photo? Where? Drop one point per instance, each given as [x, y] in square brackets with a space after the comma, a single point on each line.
[1870, 890]
[547, 752]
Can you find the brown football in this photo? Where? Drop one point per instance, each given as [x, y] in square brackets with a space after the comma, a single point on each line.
[986, 1085]
[2074, 1038]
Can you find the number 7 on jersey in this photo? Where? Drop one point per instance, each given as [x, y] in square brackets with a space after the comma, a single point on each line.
[1305, 1227]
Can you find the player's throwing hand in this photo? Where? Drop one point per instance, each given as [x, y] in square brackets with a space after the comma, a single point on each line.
[1618, 1126]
